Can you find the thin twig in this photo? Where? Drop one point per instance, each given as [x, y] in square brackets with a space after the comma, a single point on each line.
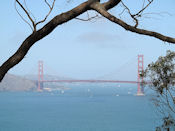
[139, 12]
[27, 13]
[29, 10]
[22, 16]
[51, 8]
[132, 16]
[88, 19]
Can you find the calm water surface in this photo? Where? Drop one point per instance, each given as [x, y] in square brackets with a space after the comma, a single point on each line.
[83, 108]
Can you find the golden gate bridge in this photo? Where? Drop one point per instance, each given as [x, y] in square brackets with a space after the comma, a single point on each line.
[140, 89]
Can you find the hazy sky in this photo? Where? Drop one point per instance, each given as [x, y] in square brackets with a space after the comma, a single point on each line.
[87, 49]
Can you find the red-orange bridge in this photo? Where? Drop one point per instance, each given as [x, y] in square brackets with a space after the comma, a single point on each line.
[140, 90]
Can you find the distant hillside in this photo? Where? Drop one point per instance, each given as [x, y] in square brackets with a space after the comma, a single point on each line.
[16, 83]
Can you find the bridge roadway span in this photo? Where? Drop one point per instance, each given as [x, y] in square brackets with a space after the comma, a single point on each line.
[91, 81]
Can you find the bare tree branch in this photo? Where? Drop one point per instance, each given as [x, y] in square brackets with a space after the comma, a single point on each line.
[110, 4]
[132, 16]
[88, 17]
[48, 3]
[100, 9]
[28, 15]
[47, 29]
[51, 8]
[22, 16]
[67, 16]
[29, 10]
[36, 36]
[139, 12]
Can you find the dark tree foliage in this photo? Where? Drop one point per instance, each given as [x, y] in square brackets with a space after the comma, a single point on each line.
[161, 78]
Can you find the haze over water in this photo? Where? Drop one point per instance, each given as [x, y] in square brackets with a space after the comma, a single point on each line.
[82, 108]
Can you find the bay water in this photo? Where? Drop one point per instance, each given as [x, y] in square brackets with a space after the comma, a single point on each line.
[81, 108]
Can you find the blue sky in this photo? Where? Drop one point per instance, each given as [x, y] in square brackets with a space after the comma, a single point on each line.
[87, 50]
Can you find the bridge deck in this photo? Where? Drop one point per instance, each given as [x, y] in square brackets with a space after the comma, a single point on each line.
[91, 81]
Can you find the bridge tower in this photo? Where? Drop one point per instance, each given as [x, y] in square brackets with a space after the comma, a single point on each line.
[140, 90]
[40, 75]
